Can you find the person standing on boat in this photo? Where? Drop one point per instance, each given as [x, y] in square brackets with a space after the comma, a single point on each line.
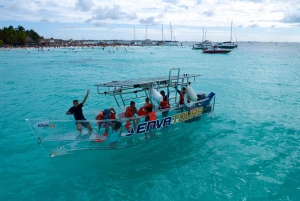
[130, 113]
[76, 110]
[181, 95]
[164, 104]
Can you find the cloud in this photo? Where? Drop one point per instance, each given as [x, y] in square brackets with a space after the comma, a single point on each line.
[99, 24]
[292, 18]
[199, 2]
[253, 25]
[240, 26]
[171, 1]
[45, 20]
[131, 16]
[208, 13]
[148, 20]
[108, 13]
[84, 5]
[114, 13]
[273, 26]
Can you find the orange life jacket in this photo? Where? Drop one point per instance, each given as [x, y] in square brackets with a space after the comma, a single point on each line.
[152, 116]
[147, 105]
[101, 116]
[142, 111]
[129, 112]
[164, 104]
[181, 98]
[127, 125]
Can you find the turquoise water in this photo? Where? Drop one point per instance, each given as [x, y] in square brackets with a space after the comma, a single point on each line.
[250, 151]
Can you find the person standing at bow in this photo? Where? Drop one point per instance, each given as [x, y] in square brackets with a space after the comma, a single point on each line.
[76, 110]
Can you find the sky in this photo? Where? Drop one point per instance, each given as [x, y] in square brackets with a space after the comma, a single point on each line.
[253, 20]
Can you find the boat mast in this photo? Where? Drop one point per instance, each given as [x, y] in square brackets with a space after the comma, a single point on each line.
[146, 31]
[235, 34]
[134, 33]
[162, 32]
[231, 32]
[171, 30]
[203, 35]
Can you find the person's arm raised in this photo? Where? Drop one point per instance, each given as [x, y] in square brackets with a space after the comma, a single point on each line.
[86, 96]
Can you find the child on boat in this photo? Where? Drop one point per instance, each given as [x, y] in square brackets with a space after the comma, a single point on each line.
[151, 116]
[115, 135]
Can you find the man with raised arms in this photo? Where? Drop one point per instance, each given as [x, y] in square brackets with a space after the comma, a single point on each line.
[76, 110]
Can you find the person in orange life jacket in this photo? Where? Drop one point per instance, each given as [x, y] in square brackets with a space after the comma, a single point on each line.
[164, 104]
[130, 113]
[181, 97]
[142, 111]
[151, 116]
[76, 110]
[104, 115]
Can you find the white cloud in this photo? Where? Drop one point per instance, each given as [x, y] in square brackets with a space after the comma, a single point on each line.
[253, 26]
[192, 15]
[85, 5]
[171, 1]
[208, 13]
[148, 20]
[293, 17]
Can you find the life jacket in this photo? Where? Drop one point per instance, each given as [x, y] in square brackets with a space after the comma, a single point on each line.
[142, 111]
[147, 105]
[129, 112]
[181, 98]
[101, 116]
[127, 125]
[152, 116]
[164, 104]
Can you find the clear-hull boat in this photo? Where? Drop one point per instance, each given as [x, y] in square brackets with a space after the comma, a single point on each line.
[58, 137]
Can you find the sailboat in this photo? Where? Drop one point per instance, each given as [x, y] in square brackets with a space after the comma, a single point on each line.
[205, 43]
[171, 42]
[228, 44]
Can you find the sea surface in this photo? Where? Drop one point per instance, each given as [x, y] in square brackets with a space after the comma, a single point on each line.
[250, 151]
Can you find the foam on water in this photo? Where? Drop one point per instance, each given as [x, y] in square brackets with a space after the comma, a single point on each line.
[249, 152]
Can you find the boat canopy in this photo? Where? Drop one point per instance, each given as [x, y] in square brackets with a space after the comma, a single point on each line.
[134, 86]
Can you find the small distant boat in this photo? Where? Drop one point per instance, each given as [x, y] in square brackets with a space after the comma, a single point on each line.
[170, 43]
[215, 50]
[229, 44]
[204, 44]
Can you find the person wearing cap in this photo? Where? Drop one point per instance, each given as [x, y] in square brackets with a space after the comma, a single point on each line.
[76, 110]
[164, 104]
[104, 115]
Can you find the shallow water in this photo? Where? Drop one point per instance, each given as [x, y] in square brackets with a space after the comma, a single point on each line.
[249, 152]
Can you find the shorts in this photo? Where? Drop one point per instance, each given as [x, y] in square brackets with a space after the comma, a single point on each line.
[83, 123]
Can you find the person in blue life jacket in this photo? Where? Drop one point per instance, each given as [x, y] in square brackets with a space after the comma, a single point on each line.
[80, 120]
[105, 115]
